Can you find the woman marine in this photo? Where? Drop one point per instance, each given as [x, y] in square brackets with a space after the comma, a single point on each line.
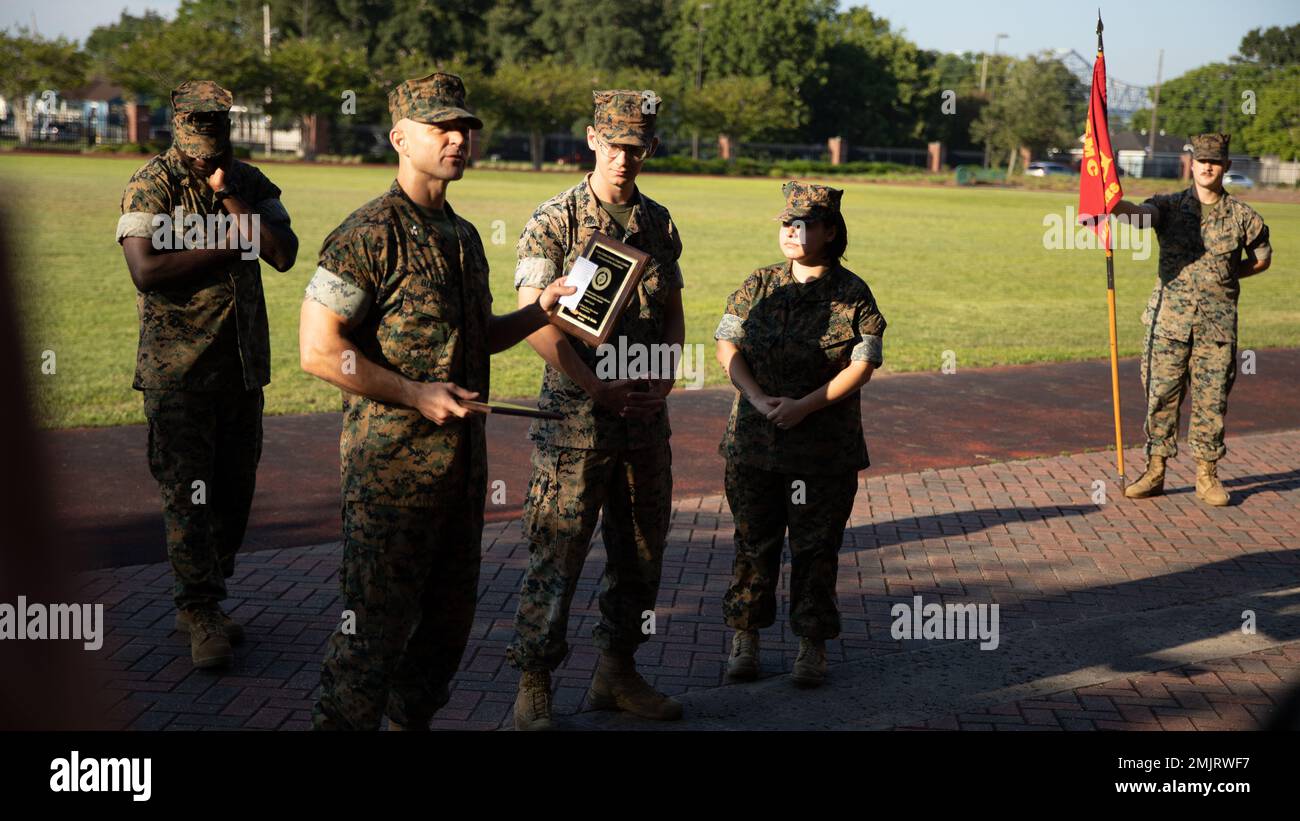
[798, 340]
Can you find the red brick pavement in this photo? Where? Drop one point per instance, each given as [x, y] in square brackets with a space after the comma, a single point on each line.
[1025, 535]
[1238, 693]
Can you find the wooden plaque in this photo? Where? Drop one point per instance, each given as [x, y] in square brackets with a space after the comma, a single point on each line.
[619, 268]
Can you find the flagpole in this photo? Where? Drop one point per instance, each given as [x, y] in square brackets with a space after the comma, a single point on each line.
[1114, 364]
[1110, 304]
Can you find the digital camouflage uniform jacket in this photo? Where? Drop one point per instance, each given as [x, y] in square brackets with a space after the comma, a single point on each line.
[208, 333]
[1200, 250]
[795, 338]
[550, 242]
[423, 305]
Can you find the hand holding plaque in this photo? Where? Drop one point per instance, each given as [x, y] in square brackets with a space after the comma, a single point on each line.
[606, 274]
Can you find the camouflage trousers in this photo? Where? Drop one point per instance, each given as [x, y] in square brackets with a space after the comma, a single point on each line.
[1169, 367]
[764, 504]
[630, 491]
[409, 577]
[204, 447]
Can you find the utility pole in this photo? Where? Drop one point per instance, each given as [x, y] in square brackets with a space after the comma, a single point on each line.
[1155, 106]
[984, 74]
[266, 51]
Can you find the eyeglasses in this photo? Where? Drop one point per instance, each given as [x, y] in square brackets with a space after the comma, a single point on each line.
[633, 152]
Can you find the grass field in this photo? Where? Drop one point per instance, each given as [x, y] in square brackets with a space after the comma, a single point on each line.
[964, 270]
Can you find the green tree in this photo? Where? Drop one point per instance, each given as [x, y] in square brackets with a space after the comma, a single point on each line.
[1040, 105]
[163, 57]
[1214, 97]
[608, 35]
[310, 78]
[34, 65]
[104, 42]
[743, 108]
[869, 86]
[951, 101]
[1271, 47]
[1275, 127]
[538, 98]
[751, 38]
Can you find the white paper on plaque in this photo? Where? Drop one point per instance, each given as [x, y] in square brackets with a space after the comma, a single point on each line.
[579, 277]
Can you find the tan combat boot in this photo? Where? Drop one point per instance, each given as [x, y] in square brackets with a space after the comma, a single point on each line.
[396, 727]
[810, 664]
[533, 701]
[618, 686]
[743, 663]
[234, 632]
[209, 646]
[1151, 483]
[1208, 487]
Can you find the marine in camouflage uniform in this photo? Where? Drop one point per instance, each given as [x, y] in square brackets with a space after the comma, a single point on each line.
[794, 337]
[1191, 321]
[203, 355]
[411, 283]
[595, 460]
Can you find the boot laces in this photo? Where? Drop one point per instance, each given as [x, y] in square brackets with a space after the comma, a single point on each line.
[539, 695]
[743, 644]
[808, 652]
[207, 622]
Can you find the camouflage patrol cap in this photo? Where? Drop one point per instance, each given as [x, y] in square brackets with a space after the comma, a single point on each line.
[195, 130]
[434, 99]
[1210, 147]
[625, 117]
[806, 201]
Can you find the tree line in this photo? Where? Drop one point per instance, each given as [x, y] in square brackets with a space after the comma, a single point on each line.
[796, 71]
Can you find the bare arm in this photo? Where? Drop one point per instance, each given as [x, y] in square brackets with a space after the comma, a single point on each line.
[790, 412]
[845, 383]
[1251, 266]
[652, 400]
[737, 369]
[152, 268]
[1148, 213]
[324, 348]
[507, 330]
[278, 244]
[553, 346]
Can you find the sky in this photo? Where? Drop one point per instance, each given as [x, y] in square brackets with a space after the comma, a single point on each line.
[1191, 32]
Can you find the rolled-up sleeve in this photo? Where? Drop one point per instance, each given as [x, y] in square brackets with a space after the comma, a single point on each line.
[340, 296]
[143, 200]
[871, 332]
[1257, 244]
[540, 252]
[732, 326]
[351, 263]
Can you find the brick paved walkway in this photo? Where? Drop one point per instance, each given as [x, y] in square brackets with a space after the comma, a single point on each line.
[1024, 535]
[1221, 694]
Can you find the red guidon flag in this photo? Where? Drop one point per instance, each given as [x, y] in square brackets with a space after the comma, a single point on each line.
[1099, 188]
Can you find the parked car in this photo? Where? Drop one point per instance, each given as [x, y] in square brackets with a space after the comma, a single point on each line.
[1041, 168]
[1238, 179]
